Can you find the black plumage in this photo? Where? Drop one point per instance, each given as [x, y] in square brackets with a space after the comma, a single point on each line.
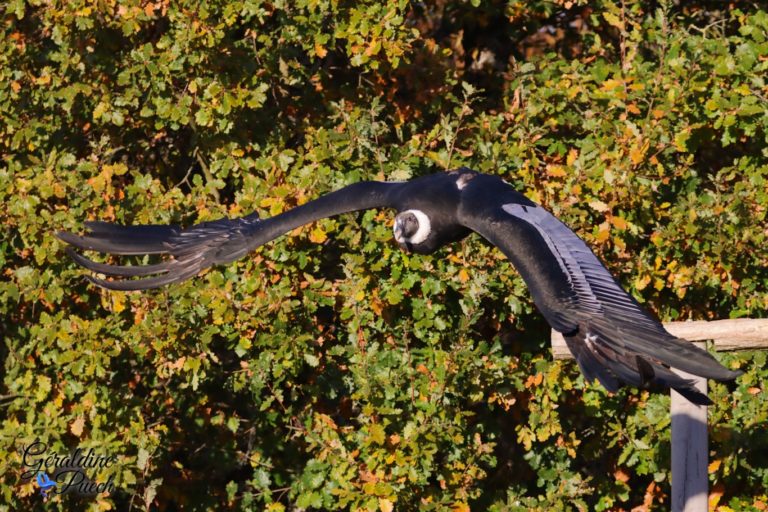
[613, 339]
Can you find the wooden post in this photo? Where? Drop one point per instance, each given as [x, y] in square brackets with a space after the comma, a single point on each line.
[689, 450]
[689, 421]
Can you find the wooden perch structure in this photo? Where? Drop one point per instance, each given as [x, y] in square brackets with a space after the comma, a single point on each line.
[727, 335]
[689, 422]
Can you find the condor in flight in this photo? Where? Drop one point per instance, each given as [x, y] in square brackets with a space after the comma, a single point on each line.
[612, 338]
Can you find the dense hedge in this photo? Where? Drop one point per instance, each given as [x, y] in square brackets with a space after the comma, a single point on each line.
[329, 370]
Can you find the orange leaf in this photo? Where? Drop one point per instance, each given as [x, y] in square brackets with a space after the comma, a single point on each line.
[621, 475]
[534, 380]
[76, 427]
[619, 223]
[637, 154]
[385, 505]
[556, 171]
[715, 494]
[320, 50]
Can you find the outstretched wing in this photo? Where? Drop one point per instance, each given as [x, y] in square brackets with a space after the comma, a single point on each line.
[612, 338]
[200, 246]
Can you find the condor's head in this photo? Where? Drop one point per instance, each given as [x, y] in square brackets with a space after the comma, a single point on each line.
[422, 233]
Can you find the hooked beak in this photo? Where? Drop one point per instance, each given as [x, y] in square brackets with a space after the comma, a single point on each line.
[398, 229]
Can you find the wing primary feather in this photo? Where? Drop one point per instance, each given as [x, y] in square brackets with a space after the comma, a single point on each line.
[118, 270]
[210, 243]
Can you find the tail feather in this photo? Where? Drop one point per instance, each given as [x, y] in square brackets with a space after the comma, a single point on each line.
[613, 364]
[684, 355]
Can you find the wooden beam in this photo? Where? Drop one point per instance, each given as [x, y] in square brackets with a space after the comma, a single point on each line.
[727, 335]
[689, 450]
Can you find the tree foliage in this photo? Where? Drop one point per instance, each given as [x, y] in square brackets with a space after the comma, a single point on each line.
[329, 370]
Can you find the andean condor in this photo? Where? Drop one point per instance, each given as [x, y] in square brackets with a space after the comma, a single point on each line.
[612, 338]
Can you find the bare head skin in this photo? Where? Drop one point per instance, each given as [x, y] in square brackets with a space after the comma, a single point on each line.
[411, 227]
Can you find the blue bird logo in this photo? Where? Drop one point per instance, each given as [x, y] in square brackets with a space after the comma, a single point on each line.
[45, 483]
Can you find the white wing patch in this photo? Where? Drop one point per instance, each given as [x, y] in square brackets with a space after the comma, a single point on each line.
[593, 284]
[576, 260]
[547, 225]
[463, 179]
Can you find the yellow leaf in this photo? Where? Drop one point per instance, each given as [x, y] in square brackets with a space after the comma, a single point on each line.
[385, 505]
[118, 302]
[100, 109]
[610, 84]
[104, 505]
[598, 206]
[681, 141]
[77, 426]
[317, 235]
[714, 466]
[573, 154]
[613, 20]
[632, 108]
[642, 282]
[463, 276]
[603, 233]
